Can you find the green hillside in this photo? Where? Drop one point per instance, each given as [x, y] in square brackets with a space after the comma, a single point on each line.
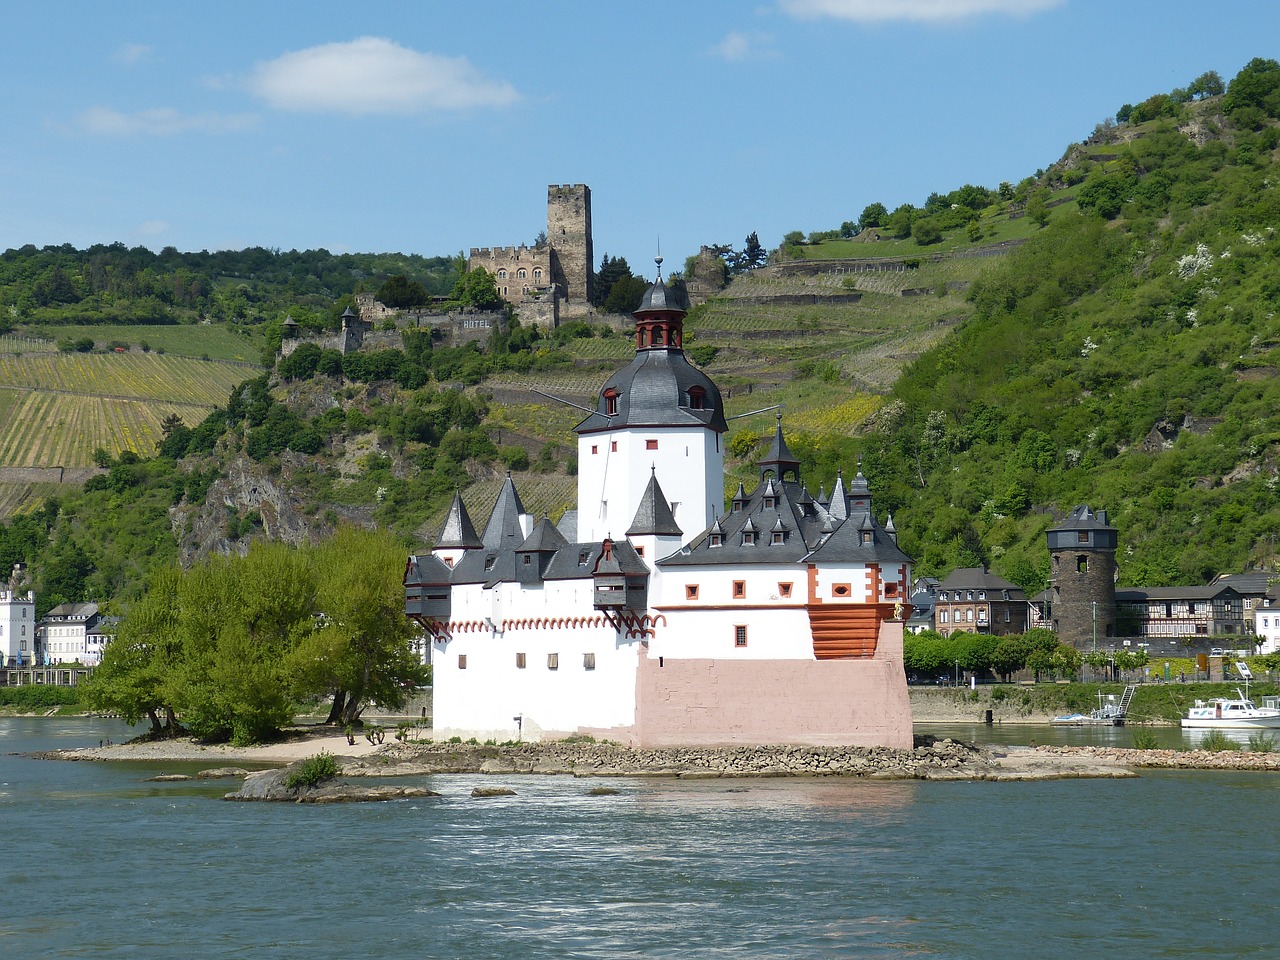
[1104, 331]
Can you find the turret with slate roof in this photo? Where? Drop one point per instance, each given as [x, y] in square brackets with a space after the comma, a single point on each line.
[457, 535]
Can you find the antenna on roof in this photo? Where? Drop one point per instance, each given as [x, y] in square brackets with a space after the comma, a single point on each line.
[658, 258]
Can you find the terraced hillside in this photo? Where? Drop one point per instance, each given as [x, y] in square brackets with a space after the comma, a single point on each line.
[56, 409]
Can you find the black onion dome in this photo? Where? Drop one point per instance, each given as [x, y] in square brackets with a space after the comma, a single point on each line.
[659, 387]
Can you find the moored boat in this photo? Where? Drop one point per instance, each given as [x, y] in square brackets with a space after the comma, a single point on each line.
[1233, 713]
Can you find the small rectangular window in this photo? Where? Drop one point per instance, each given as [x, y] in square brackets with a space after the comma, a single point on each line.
[519, 661]
[639, 551]
[595, 448]
[553, 661]
[613, 446]
[588, 661]
[784, 589]
[691, 591]
[1082, 536]
[739, 589]
[462, 661]
[740, 635]
[651, 444]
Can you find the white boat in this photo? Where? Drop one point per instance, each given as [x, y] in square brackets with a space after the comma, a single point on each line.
[1109, 713]
[1240, 713]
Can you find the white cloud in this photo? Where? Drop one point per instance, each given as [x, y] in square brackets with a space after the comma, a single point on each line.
[158, 122]
[738, 47]
[132, 53]
[921, 11]
[373, 75]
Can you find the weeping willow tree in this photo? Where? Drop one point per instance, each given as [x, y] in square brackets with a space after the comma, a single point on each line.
[228, 648]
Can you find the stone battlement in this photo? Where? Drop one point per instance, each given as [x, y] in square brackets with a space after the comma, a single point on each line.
[520, 252]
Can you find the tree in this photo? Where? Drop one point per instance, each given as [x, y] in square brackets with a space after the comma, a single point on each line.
[1038, 209]
[613, 270]
[753, 255]
[873, 215]
[361, 650]
[925, 231]
[399, 292]
[1208, 84]
[477, 289]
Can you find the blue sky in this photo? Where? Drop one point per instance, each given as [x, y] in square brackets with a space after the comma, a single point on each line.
[432, 127]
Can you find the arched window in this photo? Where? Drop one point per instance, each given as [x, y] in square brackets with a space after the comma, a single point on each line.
[502, 274]
[611, 402]
[523, 274]
[537, 273]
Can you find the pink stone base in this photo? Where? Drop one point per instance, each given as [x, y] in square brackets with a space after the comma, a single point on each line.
[801, 702]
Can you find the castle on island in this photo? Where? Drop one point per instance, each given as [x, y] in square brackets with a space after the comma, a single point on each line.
[655, 614]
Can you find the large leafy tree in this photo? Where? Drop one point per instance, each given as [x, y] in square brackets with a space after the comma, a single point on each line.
[361, 650]
[477, 289]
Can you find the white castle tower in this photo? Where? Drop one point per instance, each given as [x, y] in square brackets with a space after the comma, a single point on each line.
[659, 417]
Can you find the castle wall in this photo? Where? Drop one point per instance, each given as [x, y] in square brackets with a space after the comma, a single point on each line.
[517, 271]
[808, 703]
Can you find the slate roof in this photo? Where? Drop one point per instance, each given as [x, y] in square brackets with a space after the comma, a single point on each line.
[458, 531]
[979, 578]
[1083, 517]
[503, 528]
[809, 533]
[653, 389]
[653, 516]
[1143, 594]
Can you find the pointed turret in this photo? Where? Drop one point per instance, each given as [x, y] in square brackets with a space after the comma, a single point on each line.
[536, 552]
[839, 507]
[780, 460]
[508, 523]
[458, 532]
[654, 517]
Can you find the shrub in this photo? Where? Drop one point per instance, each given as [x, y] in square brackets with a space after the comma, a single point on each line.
[1218, 742]
[312, 770]
[1144, 740]
[1262, 742]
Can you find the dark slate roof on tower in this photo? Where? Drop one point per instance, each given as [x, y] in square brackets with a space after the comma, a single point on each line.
[780, 458]
[659, 298]
[659, 387]
[654, 516]
[503, 528]
[1084, 518]
[458, 530]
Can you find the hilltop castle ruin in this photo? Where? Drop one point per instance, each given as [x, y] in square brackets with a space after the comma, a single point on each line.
[551, 276]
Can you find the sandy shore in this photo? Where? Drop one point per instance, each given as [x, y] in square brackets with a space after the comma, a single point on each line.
[183, 749]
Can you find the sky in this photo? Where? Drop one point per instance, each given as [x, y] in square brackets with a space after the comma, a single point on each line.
[431, 127]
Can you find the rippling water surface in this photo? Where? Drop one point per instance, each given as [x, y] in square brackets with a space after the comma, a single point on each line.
[98, 863]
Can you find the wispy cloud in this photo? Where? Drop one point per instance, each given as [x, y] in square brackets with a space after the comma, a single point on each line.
[158, 122]
[152, 228]
[920, 11]
[738, 47]
[373, 75]
[131, 53]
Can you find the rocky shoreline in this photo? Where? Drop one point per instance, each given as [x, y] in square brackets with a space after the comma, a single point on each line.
[931, 759]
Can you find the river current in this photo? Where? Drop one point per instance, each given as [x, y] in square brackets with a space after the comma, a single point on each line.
[97, 862]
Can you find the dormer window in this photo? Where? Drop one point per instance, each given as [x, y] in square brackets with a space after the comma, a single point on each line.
[777, 537]
[716, 540]
[611, 402]
[583, 557]
[866, 536]
[489, 561]
[697, 398]
[748, 538]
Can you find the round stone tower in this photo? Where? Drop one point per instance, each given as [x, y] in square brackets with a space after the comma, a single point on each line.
[1082, 581]
[569, 236]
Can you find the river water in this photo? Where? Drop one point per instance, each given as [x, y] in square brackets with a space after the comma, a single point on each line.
[98, 863]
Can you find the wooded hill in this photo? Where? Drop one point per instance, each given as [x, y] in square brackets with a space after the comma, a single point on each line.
[1103, 332]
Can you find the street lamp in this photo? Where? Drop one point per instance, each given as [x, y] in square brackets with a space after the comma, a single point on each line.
[519, 719]
[957, 673]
